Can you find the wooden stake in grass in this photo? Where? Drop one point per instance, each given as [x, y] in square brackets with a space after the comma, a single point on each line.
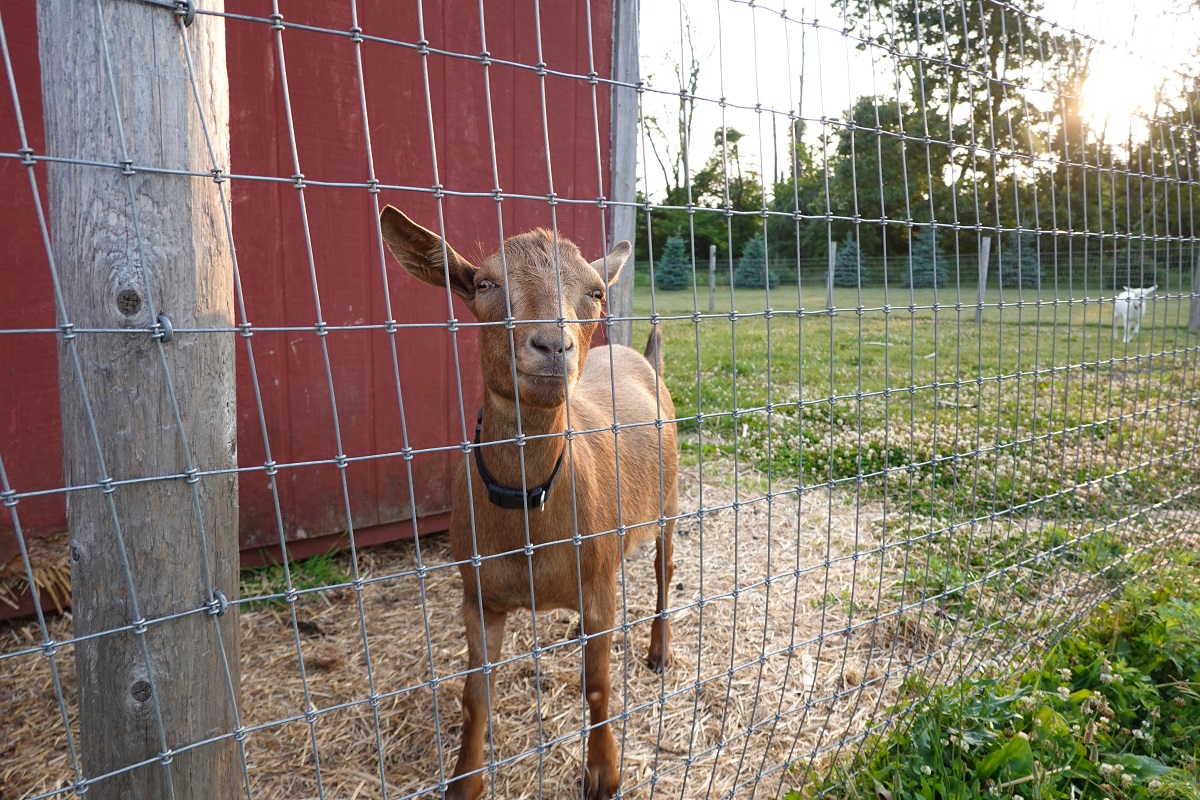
[712, 278]
[1194, 306]
[985, 248]
[131, 249]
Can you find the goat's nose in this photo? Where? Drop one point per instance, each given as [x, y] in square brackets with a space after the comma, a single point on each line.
[552, 343]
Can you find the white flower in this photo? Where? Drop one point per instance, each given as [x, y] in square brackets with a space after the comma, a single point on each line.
[1064, 693]
[1126, 781]
[1065, 674]
[926, 769]
[1155, 784]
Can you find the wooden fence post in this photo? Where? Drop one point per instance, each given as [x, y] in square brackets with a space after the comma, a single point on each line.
[712, 278]
[623, 160]
[186, 276]
[829, 276]
[985, 249]
[1194, 305]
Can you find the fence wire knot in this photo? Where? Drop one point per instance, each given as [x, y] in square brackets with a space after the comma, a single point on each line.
[218, 605]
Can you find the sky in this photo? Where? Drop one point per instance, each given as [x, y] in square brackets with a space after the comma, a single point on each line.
[750, 55]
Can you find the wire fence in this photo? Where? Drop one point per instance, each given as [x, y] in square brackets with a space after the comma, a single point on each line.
[940, 401]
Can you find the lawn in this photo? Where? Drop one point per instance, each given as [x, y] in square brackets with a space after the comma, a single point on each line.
[1038, 404]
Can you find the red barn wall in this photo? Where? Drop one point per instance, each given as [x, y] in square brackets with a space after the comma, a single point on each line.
[274, 257]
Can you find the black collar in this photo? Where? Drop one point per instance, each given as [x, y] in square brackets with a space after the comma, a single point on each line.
[507, 497]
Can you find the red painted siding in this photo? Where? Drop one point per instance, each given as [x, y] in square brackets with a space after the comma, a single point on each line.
[274, 258]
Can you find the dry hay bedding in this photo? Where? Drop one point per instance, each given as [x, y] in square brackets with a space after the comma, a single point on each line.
[764, 672]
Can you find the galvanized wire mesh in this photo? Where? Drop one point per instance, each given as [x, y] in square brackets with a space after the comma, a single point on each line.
[920, 461]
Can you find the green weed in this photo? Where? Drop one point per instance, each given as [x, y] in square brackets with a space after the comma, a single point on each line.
[268, 583]
[1112, 712]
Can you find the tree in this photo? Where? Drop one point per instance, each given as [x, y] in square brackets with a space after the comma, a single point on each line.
[670, 137]
[673, 270]
[751, 271]
[880, 168]
[804, 190]
[927, 266]
[1019, 262]
[846, 265]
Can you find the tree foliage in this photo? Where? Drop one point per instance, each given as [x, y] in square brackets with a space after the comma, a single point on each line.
[984, 128]
[723, 183]
[673, 270]
[752, 272]
[846, 264]
[1019, 261]
[927, 266]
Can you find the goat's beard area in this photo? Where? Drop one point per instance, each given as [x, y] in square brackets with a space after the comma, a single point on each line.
[540, 382]
[544, 391]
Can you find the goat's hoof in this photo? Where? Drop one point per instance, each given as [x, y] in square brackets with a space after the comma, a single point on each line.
[658, 662]
[600, 783]
[468, 788]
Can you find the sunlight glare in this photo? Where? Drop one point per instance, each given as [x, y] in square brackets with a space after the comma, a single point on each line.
[1117, 94]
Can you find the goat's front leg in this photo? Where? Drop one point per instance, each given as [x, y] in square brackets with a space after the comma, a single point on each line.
[483, 626]
[601, 775]
[660, 629]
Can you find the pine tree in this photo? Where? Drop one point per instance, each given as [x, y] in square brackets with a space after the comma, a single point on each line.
[928, 266]
[1019, 262]
[673, 270]
[845, 264]
[750, 272]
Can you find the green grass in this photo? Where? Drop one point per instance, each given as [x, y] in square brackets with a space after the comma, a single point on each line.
[1000, 489]
[1112, 712]
[267, 586]
[976, 410]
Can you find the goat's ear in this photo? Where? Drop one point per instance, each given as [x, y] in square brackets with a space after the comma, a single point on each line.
[419, 251]
[611, 264]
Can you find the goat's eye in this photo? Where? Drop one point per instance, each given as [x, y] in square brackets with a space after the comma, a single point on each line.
[484, 285]
[597, 294]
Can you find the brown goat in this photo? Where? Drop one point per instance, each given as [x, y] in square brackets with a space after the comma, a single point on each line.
[578, 538]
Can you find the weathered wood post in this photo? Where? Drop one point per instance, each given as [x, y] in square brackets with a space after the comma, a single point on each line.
[623, 158]
[1194, 305]
[136, 548]
[712, 278]
[829, 276]
[985, 249]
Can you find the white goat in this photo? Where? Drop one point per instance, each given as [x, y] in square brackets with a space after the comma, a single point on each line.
[1130, 306]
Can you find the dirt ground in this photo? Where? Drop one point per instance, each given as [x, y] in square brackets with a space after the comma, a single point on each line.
[781, 661]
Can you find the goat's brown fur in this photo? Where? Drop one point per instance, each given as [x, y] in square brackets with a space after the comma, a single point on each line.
[545, 277]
